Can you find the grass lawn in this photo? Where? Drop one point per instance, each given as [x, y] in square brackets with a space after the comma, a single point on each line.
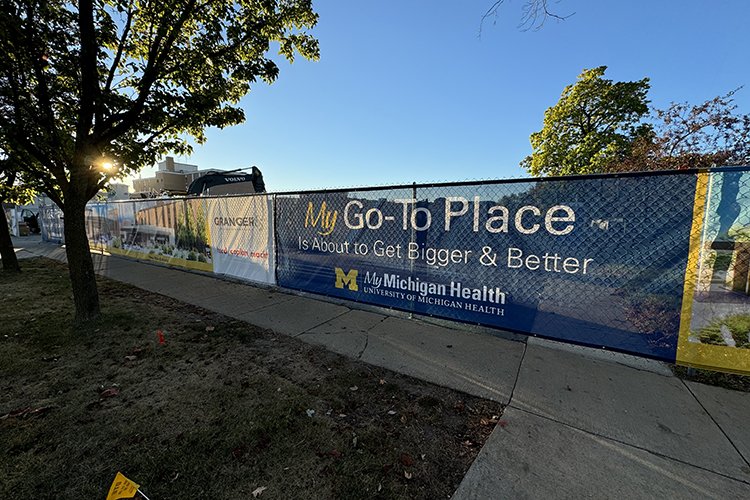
[219, 410]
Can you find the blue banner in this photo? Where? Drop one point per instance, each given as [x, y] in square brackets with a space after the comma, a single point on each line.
[597, 261]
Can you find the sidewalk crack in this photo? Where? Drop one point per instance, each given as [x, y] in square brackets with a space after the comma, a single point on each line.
[635, 446]
[367, 336]
[744, 459]
[518, 373]
[322, 323]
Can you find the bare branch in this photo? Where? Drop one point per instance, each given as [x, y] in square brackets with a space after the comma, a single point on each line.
[535, 14]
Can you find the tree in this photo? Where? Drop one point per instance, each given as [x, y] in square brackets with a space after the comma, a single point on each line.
[13, 189]
[692, 136]
[8, 194]
[96, 88]
[595, 123]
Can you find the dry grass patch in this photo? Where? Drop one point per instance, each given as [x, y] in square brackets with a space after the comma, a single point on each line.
[219, 410]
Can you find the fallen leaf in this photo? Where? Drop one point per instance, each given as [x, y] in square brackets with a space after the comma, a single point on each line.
[391, 412]
[407, 474]
[258, 491]
[310, 413]
[353, 388]
[109, 393]
[335, 453]
[210, 328]
[20, 412]
[39, 411]
[406, 460]
[27, 412]
[382, 381]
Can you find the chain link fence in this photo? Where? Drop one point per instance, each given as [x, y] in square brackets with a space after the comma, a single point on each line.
[654, 264]
[596, 260]
[51, 224]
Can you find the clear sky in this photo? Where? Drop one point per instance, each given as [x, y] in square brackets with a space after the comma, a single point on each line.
[406, 91]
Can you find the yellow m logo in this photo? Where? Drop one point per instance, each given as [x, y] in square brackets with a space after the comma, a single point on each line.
[349, 279]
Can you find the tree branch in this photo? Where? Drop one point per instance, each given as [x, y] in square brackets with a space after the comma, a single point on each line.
[113, 69]
[120, 48]
[157, 57]
[89, 72]
[535, 14]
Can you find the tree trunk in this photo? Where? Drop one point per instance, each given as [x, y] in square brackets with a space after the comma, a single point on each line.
[8, 254]
[80, 264]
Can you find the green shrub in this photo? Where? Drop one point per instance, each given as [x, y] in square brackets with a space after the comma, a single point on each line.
[722, 262]
[737, 324]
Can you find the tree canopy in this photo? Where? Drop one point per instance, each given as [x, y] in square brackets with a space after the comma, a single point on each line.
[93, 89]
[595, 122]
[708, 134]
[123, 82]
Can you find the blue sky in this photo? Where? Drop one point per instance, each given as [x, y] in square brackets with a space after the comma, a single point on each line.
[406, 91]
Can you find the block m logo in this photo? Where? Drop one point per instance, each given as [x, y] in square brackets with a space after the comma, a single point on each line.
[349, 279]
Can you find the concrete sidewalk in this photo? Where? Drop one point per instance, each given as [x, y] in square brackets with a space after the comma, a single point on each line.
[577, 423]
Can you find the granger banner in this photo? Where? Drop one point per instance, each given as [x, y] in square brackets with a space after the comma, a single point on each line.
[599, 260]
[242, 237]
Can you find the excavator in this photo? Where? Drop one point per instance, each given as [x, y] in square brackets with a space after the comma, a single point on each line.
[228, 182]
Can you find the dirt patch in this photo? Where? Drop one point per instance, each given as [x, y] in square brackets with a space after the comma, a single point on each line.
[709, 377]
[211, 407]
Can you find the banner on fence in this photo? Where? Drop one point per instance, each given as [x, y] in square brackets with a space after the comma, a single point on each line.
[656, 264]
[715, 326]
[231, 236]
[170, 231]
[51, 223]
[599, 261]
[241, 231]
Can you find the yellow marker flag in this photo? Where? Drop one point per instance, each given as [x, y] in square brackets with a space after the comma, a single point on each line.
[122, 487]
